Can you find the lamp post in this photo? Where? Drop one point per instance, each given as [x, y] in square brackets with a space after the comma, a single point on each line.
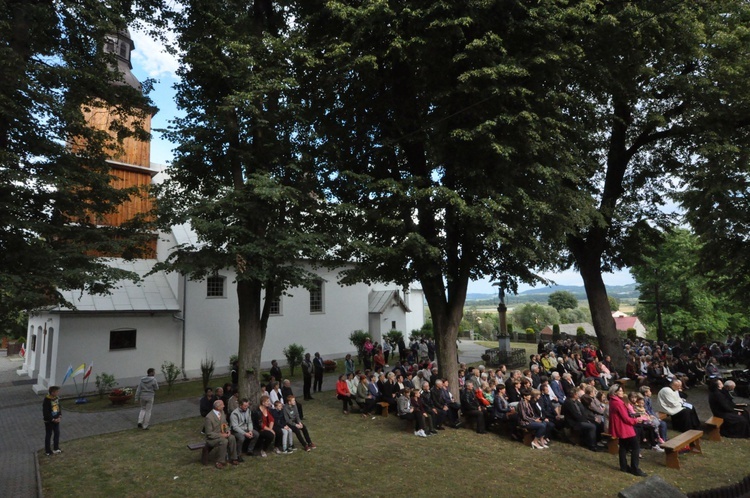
[503, 341]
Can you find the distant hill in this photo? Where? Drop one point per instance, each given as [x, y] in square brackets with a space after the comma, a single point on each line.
[540, 295]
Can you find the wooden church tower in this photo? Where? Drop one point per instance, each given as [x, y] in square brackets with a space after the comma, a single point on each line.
[131, 160]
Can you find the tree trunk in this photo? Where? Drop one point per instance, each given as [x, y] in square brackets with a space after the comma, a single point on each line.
[446, 317]
[601, 315]
[252, 337]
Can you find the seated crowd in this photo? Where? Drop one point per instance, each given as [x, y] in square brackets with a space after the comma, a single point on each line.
[233, 429]
[568, 391]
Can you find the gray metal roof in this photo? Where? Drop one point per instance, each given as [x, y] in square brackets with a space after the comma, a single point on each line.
[379, 300]
[152, 293]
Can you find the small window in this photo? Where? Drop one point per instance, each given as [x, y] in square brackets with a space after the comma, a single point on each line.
[393, 325]
[123, 50]
[215, 286]
[122, 339]
[109, 47]
[316, 297]
[275, 306]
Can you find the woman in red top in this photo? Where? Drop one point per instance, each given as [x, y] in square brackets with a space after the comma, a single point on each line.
[621, 426]
[342, 393]
[263, 421]
[379, 360]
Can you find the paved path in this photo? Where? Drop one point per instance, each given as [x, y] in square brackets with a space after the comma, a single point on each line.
[22, 429]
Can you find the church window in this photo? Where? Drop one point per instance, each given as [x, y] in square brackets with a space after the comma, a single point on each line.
[275, 306]
[316, 297]
[216, 286]
[122, 339]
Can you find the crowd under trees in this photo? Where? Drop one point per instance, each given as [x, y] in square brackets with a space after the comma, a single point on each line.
[437, 142]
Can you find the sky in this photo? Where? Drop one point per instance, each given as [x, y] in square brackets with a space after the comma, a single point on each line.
[150, 60]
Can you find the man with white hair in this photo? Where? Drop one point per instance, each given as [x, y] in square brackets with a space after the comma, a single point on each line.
[684, 416]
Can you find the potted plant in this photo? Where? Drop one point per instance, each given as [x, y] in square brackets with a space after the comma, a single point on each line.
[121, 395]
[329, 366]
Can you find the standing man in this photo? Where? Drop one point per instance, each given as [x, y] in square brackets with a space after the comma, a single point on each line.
[52, 414]
[318, 364]
[218, 438]
[145, 392]
[307, 369]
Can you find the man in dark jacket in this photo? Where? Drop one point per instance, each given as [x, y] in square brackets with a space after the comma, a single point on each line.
[575, 417]
[318, 366]
[307, 369]
[472, 408]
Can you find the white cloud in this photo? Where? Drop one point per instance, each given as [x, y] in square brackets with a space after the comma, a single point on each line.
[151, 56]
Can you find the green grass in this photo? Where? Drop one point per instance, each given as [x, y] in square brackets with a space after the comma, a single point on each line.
[357, 456]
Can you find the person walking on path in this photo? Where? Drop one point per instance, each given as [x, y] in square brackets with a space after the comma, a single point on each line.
[146, 391]
[52, 414]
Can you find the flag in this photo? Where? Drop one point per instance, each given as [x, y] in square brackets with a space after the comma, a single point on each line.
[23, 350]
[88, 371]
[67, 374]
[78, 371]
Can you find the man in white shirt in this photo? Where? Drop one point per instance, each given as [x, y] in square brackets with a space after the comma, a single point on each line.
[684, 416]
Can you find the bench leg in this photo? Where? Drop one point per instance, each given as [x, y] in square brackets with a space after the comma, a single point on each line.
[527, 438]
[384, 411]
[613, 446]
[673, 462]
[695, 446]
[714, 434]
[204, 455]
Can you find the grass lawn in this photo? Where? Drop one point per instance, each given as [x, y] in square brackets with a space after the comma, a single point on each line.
[357, 456]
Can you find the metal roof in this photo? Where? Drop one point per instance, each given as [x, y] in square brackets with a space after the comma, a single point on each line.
[151, 293]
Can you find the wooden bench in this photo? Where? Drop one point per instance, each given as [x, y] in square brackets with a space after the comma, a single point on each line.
[713, 426]
[673, 446]
[383, 408]
[204, 450]
[613, 445]
[662, 415]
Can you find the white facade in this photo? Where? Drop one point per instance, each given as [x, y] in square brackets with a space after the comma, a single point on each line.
[165, 308]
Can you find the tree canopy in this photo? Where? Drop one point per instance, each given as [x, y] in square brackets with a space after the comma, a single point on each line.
[236, 178]
[561, 300]
[670, 273]
[53, 194]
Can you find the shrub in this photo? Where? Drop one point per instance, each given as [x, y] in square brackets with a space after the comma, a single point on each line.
[171, 372]
[581, 333]
[393, 337]
[632, 334]
[427, 331]
[207, 371]
[700, 336]
[232, 359]
[104, 383]
[556, 332]
[510, 329]
[358, 338]
[294, 354]
[530, 335]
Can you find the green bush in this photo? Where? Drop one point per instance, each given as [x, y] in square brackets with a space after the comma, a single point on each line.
[510, 329]
[358, 338]
[393, 337]
[207, 371]
[581, 333]
[632, 334]
[427, 331]
[294, 354]
[530, 335]
[104, 383]
[556, 332]
[700, 336]
[171, 372]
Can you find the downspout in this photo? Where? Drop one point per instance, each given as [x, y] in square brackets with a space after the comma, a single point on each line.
[182, 319]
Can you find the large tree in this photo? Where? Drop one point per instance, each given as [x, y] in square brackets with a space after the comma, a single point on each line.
[436, 135]
[561, 300]
[669, 277]
[52, 194]
[235, 178]
[654, 78]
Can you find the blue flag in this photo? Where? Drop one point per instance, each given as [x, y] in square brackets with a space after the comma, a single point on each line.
[67, 374]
